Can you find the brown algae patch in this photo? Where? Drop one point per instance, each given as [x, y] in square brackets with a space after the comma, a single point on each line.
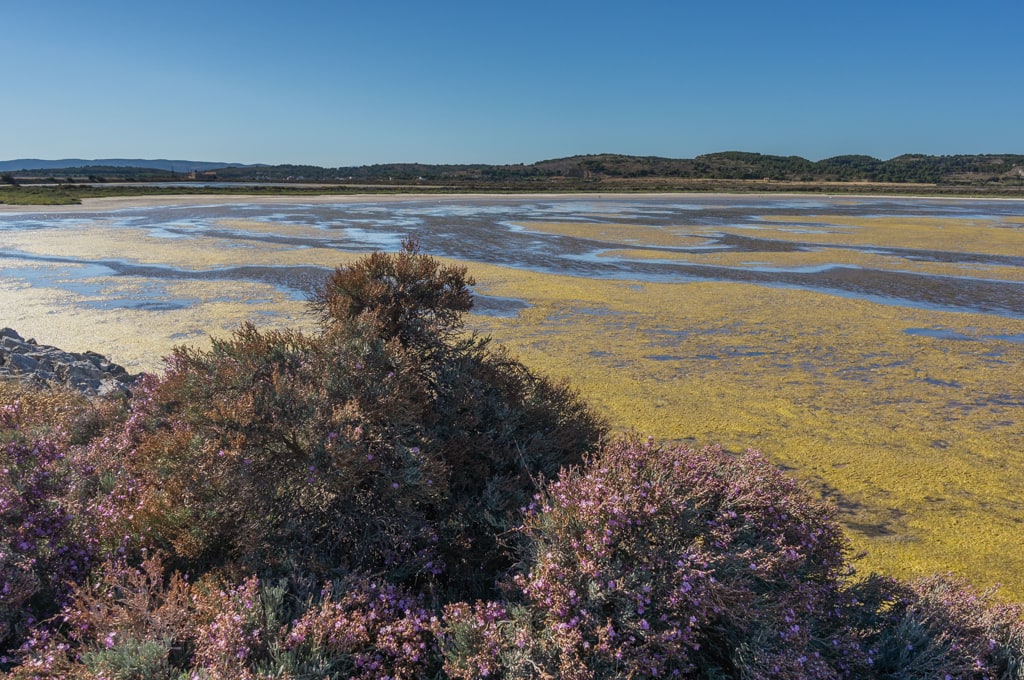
[917, 437]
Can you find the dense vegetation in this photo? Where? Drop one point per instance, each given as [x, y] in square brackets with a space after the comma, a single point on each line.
[729, 171]
[389, 498]
[723, 166]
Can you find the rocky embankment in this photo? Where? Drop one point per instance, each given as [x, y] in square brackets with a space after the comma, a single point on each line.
[89, 372]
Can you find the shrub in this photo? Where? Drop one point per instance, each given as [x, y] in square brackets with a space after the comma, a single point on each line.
[941, 627]
[405, 295]
[386, 443]
[656, 561]
[44, 545]
[389, 497]
[57, 413]
[125, 623]
[365, 629]
[48, 491]
[139, 623]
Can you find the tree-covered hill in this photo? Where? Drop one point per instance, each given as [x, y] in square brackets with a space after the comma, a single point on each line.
[728, 165]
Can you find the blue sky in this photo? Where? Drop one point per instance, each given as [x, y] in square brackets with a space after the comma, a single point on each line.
[351, 83]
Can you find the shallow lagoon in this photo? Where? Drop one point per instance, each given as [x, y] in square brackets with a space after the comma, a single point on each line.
[813, 244]
[871, 345]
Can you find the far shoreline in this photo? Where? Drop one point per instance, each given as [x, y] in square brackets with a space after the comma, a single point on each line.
[111, 203]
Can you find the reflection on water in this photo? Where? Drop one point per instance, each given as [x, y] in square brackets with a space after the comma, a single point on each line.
[497, 230]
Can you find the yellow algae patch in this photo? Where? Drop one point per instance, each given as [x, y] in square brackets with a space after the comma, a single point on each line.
[141, 246]
[991, 236]
[821, 257]
[136, 336]
[625, 234]
[909, 419]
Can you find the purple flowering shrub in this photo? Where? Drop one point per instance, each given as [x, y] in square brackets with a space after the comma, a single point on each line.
[366, 629]
[44, 545]
[673, 562]
[48, 491]
[125, 622]
[234, 631]
[57, 413]
[491, 639]
[140, 623]
[656, 561]
[18, 584]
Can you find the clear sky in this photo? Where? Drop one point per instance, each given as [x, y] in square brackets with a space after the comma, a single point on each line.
[337, 83]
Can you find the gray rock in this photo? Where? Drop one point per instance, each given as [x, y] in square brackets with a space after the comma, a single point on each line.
[46, 360]
[88, 386]
[108, 387]
[46, 377]
[22, 362]
[88, 372]
[96, 359]
[83, 370]
[14, 345]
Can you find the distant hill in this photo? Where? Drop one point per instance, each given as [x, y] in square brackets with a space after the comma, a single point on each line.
[729, 165]
[962, 170]
[20, 164]
[738, 165]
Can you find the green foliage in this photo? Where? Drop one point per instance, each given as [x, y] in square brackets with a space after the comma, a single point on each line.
[729, 171]
[131, 660]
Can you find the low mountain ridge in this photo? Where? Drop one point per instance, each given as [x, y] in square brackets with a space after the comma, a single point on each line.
[726, 165]
[24, 164]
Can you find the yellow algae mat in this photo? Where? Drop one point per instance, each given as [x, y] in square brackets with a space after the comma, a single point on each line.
[910, 420]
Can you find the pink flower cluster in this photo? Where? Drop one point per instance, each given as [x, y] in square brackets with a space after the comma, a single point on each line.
[372, 629]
